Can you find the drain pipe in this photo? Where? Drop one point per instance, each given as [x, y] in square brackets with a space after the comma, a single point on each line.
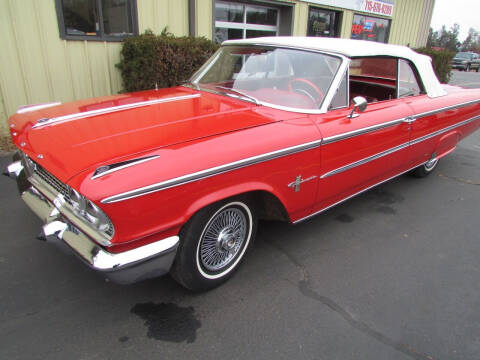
[191, 17]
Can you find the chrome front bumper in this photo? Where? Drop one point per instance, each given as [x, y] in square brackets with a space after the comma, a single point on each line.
[127, 267]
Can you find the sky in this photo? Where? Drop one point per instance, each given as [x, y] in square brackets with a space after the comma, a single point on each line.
[465, 13]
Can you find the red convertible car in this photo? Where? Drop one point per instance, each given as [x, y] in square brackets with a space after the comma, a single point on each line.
[175, 180]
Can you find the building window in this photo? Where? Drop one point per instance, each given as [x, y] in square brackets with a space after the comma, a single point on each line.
[323, 22]
[243, 21]
[370, 28]
[110, 20]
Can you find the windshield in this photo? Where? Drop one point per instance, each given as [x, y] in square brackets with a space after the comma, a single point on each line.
[268, 75]
[463, 55]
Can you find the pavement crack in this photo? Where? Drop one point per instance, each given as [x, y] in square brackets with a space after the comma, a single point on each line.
[463, 181]
[306, 288]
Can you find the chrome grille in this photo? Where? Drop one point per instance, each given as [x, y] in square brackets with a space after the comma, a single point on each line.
[51, 180]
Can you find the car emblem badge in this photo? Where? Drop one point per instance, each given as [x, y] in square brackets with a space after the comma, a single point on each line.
[298, 181]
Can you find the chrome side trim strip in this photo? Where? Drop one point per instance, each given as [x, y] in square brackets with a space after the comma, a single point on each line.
[276, 154]
[211, 172]
[28, 108]
[347, 135]
[396, 148]
[409, 119]
[91, 113]
[116, 167]
[355, 194]
[365, 160]
[444, 130]
[457, 106]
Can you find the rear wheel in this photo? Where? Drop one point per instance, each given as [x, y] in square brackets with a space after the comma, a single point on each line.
[425, 169]
[214, 242]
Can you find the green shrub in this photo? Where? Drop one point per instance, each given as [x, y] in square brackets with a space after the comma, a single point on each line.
[441, 61]
[164, 59]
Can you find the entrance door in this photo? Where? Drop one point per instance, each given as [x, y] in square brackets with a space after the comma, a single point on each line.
[325, 23]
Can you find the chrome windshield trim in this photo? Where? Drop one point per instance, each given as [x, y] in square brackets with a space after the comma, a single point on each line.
[345, 61]
[365, 160]
[457, 106]
[355, 194]
[365, 130]
[86, 114]
[116, 167]
[211, 172]
[337, 80]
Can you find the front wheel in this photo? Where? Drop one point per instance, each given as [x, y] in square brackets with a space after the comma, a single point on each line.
[425, 169]
[214, 242]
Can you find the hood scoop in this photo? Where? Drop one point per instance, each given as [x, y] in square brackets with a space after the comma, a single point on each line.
[108, 169]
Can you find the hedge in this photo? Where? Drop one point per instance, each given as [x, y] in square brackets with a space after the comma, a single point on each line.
[165, 60]
[441, 61]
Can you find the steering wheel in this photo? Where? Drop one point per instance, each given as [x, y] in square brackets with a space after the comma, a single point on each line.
[311, 90]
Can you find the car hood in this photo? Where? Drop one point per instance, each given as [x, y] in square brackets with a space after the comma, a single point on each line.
[73, 137]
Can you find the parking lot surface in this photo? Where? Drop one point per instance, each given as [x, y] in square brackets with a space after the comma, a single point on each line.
[391, 274]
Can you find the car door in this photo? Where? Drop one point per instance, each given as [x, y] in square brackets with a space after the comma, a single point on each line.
[425, 141]
[361, 151]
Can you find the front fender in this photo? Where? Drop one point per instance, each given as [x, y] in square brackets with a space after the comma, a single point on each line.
[230, 191]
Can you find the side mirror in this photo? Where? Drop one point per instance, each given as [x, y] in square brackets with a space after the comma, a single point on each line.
[359, 104]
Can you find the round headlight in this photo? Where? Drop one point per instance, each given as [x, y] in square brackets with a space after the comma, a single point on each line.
[96, 217]
[78, 201]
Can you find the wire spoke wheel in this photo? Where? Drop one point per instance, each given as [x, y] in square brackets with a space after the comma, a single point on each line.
[214, 243]
[222, 239]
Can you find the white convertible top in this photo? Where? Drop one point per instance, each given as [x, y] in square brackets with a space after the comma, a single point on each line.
[356, 48]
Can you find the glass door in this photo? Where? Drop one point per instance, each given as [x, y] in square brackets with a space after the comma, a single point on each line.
[323, 22]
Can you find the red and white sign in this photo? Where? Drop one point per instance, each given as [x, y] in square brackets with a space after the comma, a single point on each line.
[378, 7]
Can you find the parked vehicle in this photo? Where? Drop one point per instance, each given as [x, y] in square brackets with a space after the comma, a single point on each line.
[466, 61]
[175, 180]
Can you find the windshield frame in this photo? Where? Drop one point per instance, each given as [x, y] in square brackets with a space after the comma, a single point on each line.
[335, 83]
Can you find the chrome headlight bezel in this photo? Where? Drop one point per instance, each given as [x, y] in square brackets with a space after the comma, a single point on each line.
[89, 212]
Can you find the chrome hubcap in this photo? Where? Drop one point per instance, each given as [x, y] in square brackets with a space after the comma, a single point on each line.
[223, 238]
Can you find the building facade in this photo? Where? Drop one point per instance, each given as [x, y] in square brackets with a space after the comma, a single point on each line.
[63, 50]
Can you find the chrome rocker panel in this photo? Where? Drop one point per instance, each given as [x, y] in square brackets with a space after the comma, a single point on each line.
[148, 261]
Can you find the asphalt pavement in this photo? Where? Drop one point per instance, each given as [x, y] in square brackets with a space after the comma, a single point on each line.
[391, 274]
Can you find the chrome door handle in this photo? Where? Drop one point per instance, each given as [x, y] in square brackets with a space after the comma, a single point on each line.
[409, 119]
